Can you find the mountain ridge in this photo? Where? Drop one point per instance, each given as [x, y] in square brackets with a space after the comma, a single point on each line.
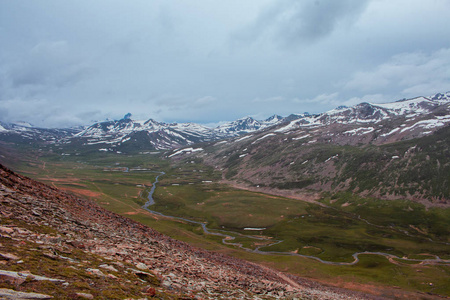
[126, 134]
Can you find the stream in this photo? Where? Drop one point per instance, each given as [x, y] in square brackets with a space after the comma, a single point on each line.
[227, 238]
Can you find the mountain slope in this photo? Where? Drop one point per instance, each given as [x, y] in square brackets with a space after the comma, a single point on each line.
[143, 135]
[379, 120]
[394, 150]
[248, 124]
[71, 248]
[26, 133]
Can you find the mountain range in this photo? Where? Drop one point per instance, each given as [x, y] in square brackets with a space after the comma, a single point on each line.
[362, 123]
[127, 134]
[132, 135]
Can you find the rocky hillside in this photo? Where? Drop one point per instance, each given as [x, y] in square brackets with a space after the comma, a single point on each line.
[55, 245]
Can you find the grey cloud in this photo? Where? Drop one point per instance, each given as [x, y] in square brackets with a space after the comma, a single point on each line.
[371, 98]
[292, 22]
[172, 60]
[89, 116]
[177, 102]
[47, 65]
[18, 109]
[414, 73]
[43, 111]
[321, 101]
[276, 99]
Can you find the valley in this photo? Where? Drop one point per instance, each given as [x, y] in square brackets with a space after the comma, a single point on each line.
[355, 198]
[338, 239]
[225, 150]
[229, 238]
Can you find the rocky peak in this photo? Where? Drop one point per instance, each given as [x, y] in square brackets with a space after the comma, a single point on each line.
[440, 96]
[273, 119]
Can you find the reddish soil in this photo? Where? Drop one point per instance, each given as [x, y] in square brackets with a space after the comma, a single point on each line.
[82, 192]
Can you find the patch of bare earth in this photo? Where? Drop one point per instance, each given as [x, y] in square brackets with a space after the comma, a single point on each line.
[310, 197]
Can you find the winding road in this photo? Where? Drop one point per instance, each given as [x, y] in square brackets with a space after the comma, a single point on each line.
[227, 238]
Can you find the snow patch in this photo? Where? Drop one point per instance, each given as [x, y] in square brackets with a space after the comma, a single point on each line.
[243, 138]
[361, 130]
[287, 127]
[428, 124]
[261, 138]
[186, 150]
[218, 143]
[301, 137]
[390, 132]
[334, 156]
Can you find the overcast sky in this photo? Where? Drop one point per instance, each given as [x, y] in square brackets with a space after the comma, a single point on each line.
[65, 63]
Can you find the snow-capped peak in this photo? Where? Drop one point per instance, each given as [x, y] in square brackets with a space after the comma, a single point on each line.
[273, 119]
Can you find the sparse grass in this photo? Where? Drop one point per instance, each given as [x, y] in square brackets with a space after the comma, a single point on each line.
[34, 260]
[224, 207]
[403, 215]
